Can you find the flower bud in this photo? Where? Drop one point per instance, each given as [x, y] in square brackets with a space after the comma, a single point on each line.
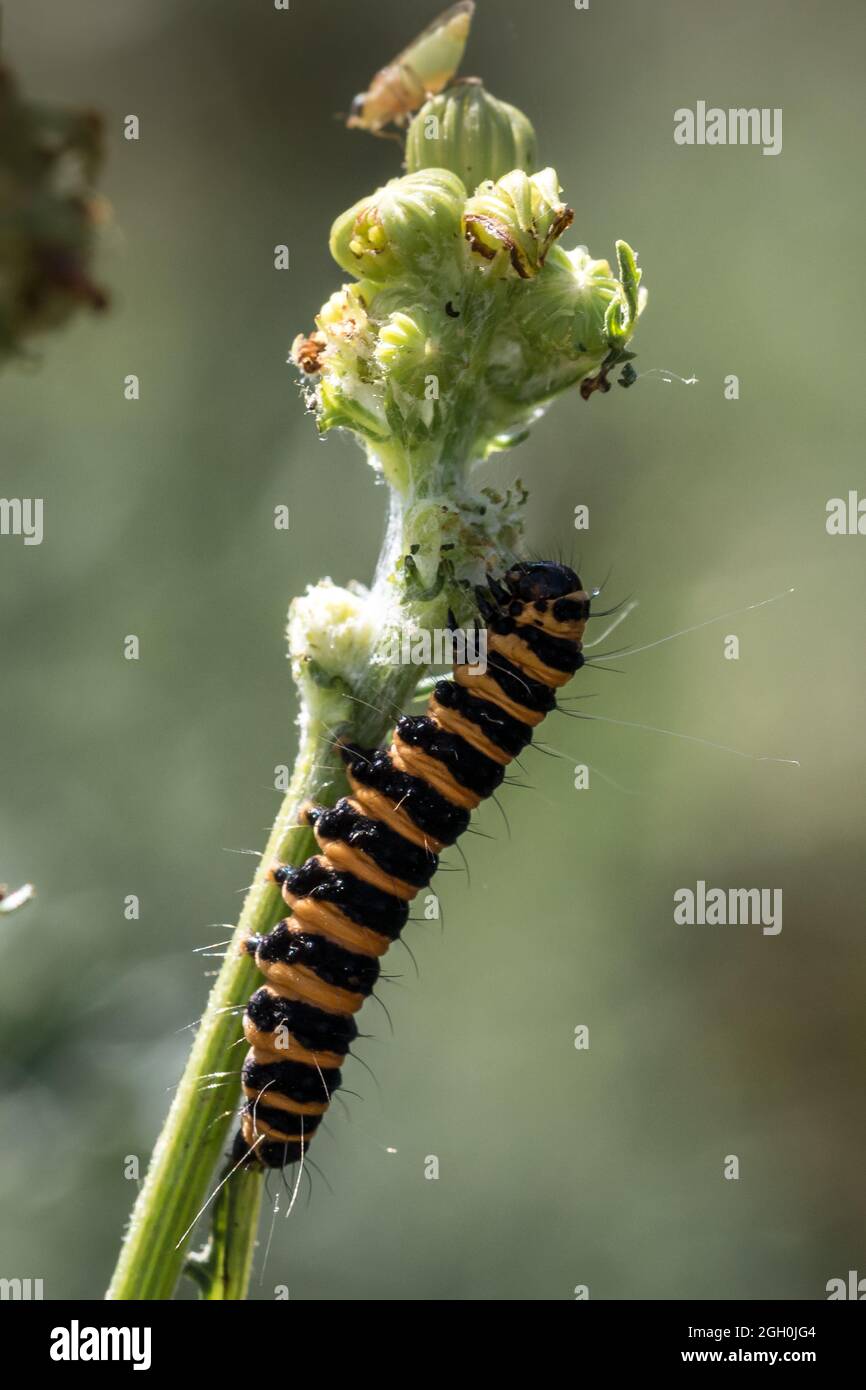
[573, 320]
[328, 625]
[404, 229]
[408, 360]
[348, 403]
[472, 133]
[512, 224]
[402, 346]
[622, 320]
[331, 632]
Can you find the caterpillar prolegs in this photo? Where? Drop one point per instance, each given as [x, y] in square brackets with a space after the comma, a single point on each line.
[379, 847]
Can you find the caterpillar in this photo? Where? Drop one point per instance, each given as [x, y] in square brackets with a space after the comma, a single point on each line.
[380, 846]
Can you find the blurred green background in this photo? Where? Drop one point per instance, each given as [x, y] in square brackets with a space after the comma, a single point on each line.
[558, 1167]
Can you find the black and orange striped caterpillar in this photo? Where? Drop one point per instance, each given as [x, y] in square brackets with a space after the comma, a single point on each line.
[380, 847]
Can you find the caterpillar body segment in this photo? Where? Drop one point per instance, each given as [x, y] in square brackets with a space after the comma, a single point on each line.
[380, 846]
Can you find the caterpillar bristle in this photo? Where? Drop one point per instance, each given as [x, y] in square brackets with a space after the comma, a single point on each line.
[380, 846]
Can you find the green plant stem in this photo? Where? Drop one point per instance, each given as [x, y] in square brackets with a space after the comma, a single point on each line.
[195, 1131]
[156, 1246]
[222, 1270]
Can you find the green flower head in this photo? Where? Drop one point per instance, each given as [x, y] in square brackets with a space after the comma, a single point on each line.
[465, 316]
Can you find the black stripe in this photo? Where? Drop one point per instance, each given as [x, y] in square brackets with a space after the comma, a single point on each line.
[364, 904]
[571, 610]
[314, 1028]
[506, 732]
[522, 689]
[273, 1154]
[428, 809]
[467, 766]
[269, 1152]
[240, 1149]
[294, 1080]
[329, 962]
[389, 851]
[283, 1120]
[560, 653]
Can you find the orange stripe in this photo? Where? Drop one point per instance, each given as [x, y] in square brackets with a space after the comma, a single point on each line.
[455, 723]
[485, 688]
[566, 632]
[378, 807]
[266, 1049]
[274, 1101]
[260, 1130]
[299, 982]
[348, 859]
[571, 629]
[519, 654]
[421, 764]
[327, 920]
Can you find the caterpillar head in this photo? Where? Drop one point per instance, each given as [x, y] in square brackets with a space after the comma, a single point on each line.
[532, 580]
[544, 593]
